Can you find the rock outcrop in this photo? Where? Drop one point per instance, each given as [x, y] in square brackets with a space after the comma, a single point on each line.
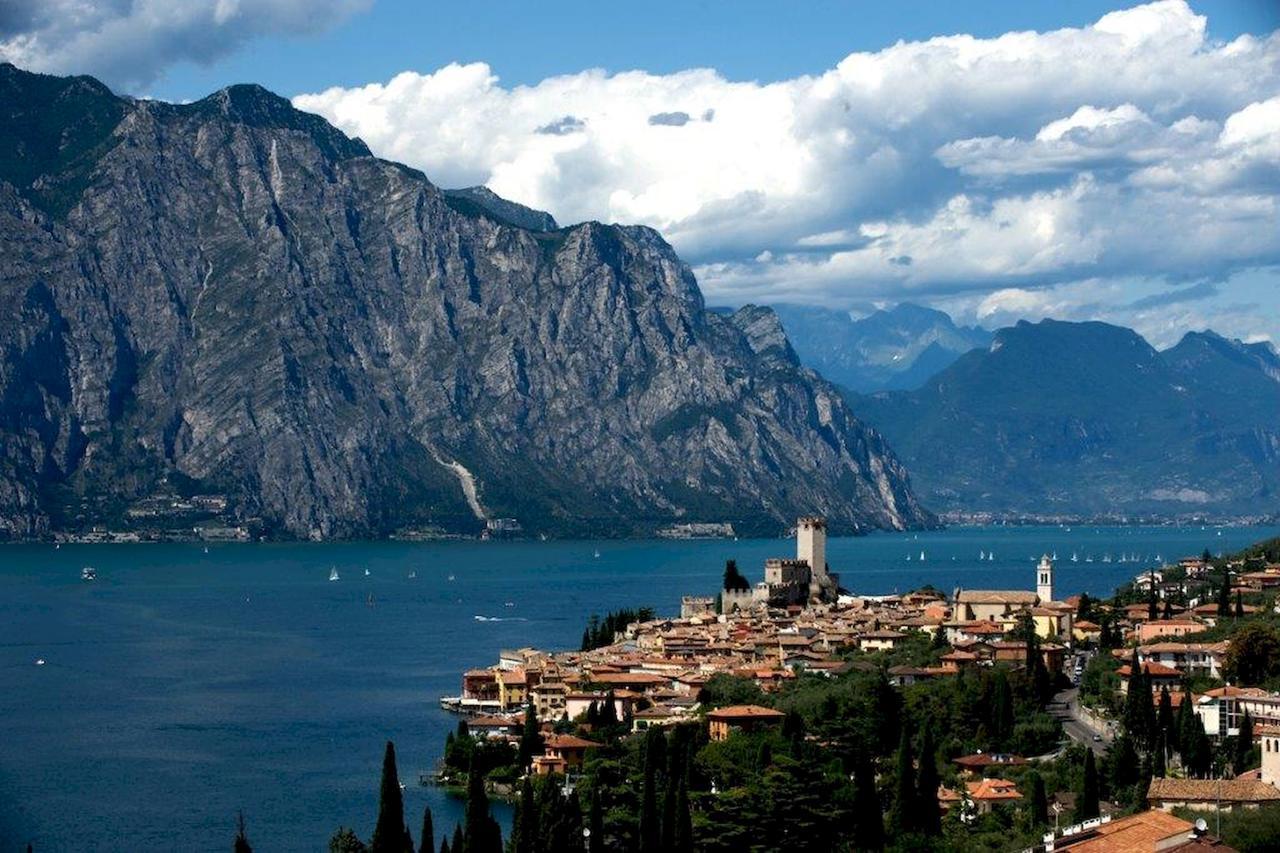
[231, 297]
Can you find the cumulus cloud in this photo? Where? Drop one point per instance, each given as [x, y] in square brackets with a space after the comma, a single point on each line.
[1134, 149]
[129, 43]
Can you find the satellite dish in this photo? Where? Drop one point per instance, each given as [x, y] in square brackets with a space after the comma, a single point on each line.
[1201, 825]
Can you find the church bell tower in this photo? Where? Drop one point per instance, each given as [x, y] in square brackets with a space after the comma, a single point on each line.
[1044, 579]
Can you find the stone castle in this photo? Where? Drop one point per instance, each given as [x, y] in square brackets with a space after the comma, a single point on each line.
[786, 582]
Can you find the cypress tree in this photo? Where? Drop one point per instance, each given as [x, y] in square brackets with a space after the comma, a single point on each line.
[1244, 744]
[1158, 768]
[683, 840]
[650, 830]
[902, 818]
[668, 833]
[927, 785]
[1164, 718]
[242, 841]
[388, 834]
[477, 833]
[1087, 801]
[1151, 599]
[1134, 714]
[1084, 608]
[524, 828]
[444, 845]
[595, 823]
[609, 711]
[427, 843]
[1002, 722]
[1039, 802]
[1239, 606]
[530, 738]
[868, 822]
[1168, 609]
[1224, 593]
[459, 843]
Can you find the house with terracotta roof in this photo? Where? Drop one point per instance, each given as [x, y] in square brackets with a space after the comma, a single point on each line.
[561, 754]
[981, 761]
[984, 794]
[975, 605]
[880, 641]
[1160, 675]
[741, 718]
[1209, 794]
[1144, 832]
[1189, 658]
[1155, 629]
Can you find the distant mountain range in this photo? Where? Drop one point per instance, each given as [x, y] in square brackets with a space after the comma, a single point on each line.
[231, 305]
[1088, 418]
[896, 348]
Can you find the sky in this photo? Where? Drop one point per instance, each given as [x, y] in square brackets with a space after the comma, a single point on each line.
[999, 160]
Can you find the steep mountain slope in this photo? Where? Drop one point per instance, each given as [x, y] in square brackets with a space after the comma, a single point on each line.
[232, 298]
[896, 348]
[1089, 418]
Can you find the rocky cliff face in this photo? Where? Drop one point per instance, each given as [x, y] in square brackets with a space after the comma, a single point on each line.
[231, 297]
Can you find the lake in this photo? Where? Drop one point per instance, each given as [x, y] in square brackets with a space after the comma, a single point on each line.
[183, 686]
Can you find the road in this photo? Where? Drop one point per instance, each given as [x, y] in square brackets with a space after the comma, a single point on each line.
[1066, 707]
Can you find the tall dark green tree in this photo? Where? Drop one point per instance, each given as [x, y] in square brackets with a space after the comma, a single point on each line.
[1243, 745]
[1084, 610]
[903, 816]
[595, 822]
[1239, 606]
[1151, 599]
[346, 841]
[1001, 711]
[650, 822]
[1158, 756]
[459, 842]
[530, 738]
[1039, 803]
[1164, 717]
[242, 841]
[388, 833]
[478, 836]
[1224, 594]
[868, 822]
[1087, 799]
[927, 782]
[683, 838]
[524, 827]
[427, 844]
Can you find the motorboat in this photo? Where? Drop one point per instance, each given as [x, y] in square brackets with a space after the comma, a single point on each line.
[88, 573]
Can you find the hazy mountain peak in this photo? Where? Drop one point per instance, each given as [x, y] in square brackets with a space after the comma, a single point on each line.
[897, 347]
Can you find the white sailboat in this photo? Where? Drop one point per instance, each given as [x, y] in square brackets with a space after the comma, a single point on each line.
[366, 573]
[982, 555]
[922, 556]
[1075, 558]
[333, 573]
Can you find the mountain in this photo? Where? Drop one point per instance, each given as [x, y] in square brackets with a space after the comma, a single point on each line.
[486, 201]
[1059, 417]
[231, 302]
[895, 348]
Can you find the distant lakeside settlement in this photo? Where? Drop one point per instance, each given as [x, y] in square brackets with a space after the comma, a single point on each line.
[790, 714]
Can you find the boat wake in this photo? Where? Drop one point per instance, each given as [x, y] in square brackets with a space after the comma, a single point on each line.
[500, 619]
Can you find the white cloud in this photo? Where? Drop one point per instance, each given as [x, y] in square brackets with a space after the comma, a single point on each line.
[1133, 148]
[128, 43]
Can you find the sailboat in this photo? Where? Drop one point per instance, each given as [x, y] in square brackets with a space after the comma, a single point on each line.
[597, 554]
[1055, 556]
[922, 556]
[1075, 558]
[366, 573]
[412, 575]
[982, 555]
[991, 555]
[1088, 558]
[333, 573]
[908, 558]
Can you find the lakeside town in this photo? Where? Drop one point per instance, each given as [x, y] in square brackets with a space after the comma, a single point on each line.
[1093, 725]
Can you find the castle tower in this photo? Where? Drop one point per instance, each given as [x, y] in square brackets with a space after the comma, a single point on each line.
[1044, 579]
[811, 546]
[1270, 743]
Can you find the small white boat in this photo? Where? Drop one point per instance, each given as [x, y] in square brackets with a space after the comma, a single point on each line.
[88, 573]
[366, 573]
[333, 573]
[39, 661]
[908, 558]
[1075, 558]
[991, 555]
[450, 577]
[597, 554]
[922, 556]
[412, 575]
[982, 555]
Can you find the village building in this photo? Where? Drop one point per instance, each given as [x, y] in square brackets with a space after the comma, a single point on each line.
[741, 718]
[562, 753]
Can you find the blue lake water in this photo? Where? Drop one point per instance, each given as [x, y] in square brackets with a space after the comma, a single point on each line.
[183, 686]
